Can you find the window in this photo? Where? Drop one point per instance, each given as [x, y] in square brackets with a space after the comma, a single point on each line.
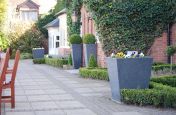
[29, 15]
[57, 38]
[57, 44]
[57, 41]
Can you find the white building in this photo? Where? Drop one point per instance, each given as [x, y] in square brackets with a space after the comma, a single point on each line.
[57, 32]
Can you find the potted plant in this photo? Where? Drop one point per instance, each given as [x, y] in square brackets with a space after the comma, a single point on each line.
[90, 47]
[38, 53]
[76, 46]
[128, 72]
[171, 50]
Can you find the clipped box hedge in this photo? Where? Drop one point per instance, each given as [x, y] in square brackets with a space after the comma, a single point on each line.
[39, 61]
[163, 67]
[159, 95]
[166, 80]
[56, 62]
[94, 73]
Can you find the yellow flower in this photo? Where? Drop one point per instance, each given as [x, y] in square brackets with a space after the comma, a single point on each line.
[120, 55]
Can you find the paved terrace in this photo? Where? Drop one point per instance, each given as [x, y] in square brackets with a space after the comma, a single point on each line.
[45, 90]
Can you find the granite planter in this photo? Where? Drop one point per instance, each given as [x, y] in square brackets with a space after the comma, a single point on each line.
[89, 49]
[38, 53]
[77, 55]
[128, 73]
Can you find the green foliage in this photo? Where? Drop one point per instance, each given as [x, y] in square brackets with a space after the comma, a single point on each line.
[70, 60]
[43, 20]
[3, 41]
[25, 56]
[94, 73]
[171, 50]
[159, 95]
[92, 62]
[74, 6]
[158, 63]
[32, 38]
[39, 61]
[130, 24]
[89, 39]
[75, 39]
[166, 80]
[61, 4]
[163, 67]
[56, 62]
[3, 9]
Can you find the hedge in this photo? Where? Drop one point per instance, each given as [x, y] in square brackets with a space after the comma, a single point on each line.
[94, 73]
[166, 80]
[160, 96]
[163, 66]
[39, 61]
[56, 62]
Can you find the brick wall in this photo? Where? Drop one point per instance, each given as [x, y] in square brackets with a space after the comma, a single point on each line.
[158, 49]
[88, 27]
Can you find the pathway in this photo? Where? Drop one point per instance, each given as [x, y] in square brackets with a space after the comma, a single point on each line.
[45, 90]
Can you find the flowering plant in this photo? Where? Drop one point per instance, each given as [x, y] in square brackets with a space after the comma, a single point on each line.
[131, 55]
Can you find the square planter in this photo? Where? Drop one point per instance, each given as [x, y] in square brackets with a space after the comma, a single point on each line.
[38, 53]
[77, 55]
[128, 73]
[89, 49]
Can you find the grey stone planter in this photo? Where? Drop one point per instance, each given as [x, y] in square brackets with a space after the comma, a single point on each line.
[38, 53]
[129, 73]
[76, 55]
[89, 49]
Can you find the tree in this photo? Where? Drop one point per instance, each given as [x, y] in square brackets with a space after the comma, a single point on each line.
[130, 24]
[61, 4]
[2, 12]
[43, 20]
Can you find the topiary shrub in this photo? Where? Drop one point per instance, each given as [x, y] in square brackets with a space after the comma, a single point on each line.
[89, 39]
[92, 62]
[70, 60]
[75, 39]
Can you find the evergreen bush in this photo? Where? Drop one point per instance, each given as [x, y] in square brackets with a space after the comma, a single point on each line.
[75, 39]
[92, 62]
[89, 39]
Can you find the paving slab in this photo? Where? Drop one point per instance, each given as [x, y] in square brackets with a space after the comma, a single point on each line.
[46, 90]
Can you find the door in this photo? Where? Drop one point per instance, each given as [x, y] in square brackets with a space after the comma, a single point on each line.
[57, 45]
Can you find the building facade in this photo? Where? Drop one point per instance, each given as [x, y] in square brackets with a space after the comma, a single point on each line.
[157, 51]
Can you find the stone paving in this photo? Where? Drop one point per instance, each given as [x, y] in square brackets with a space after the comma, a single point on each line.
[45, 90]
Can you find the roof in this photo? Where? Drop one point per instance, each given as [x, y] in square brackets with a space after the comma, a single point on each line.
[28, 4]
[61, 12]
[54, 23]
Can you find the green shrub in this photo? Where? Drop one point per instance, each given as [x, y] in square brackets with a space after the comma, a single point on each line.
[70, 60]
[26, 56]
[159, 95]
[75, 39]
[89, 39]
[92, 62]
[171, 50]
[158, 63]
[163, 67]
[39, 61]
[94, 73]
[166, 80]
[56, 62]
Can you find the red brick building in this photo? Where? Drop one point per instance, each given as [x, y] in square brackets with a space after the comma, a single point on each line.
[157, 51]
[88, 27]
